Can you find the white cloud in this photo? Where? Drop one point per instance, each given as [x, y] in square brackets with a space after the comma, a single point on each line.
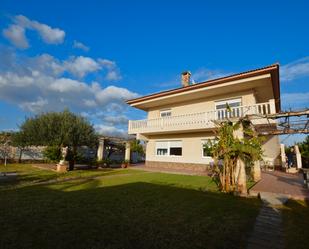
[295, 69]
[204, 74]
[113, 93]
[109, 130]
[48, 34]
[113, 75]
[68, 85]
[115, 120]
[112, 69]
[41, 83]
[80, 66]
[34, 106]
[16, 35]
[79, 45]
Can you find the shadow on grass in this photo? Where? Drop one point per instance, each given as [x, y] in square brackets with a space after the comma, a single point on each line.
[296, 224]
[41, 176]
[135, 215]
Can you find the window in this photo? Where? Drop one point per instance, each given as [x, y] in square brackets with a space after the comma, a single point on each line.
[175, 148]
[165, 113]
[169, 148]
[206, 147]
[222, 112]
[162, 148]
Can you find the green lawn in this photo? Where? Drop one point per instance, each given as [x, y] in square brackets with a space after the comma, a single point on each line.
[296, 224]
[120, 209]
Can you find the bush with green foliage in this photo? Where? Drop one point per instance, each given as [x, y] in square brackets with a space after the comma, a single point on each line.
[52, 153]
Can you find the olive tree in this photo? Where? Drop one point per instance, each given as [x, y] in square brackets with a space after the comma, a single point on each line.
[60, 129]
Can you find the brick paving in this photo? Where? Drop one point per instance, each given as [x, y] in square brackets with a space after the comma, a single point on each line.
[284, 184]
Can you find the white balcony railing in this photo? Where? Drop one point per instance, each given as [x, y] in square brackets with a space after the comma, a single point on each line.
[202, 120]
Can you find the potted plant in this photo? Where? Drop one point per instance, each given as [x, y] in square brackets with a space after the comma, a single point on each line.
[125, 164]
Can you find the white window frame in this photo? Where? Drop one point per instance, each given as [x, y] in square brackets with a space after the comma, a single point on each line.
[203, 141]
[225, 111]
[168, 146]
[228, 101]
[165, 112]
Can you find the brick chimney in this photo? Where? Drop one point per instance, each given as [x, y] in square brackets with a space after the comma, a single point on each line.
[185, 78]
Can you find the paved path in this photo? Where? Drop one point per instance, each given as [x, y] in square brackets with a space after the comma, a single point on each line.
[267, 232]
[275, 188]
[281, 184]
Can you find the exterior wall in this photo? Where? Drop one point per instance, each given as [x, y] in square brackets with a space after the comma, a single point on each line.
[192, 157]
[271, 148]
[202, 105]
[191, 148]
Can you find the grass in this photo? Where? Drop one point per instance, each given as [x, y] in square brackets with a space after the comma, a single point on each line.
[296, 224]
[121, 209]
[28, 175]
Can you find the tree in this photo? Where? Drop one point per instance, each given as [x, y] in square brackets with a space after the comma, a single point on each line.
[52, 153]
[20, 141]
[60, 129]
[304, 147]
[112, 147]
[137, 147]
[5, 145]
[232, 152]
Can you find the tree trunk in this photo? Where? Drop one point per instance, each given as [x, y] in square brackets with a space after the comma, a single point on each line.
[20, 155]
[241, 178]
[72, 161]
[71, 165]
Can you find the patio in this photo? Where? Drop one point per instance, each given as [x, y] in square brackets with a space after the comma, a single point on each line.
[280, 183]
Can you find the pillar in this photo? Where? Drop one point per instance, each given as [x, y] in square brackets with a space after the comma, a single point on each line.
[128, 151]
[298, 157]
[100, 151]
[283, 156]
[272, 105]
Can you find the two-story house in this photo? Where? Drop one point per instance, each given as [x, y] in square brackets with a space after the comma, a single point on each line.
[180, 120]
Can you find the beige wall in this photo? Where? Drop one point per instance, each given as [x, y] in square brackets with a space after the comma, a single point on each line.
[191, 148]
[202, 105]
[271, 147]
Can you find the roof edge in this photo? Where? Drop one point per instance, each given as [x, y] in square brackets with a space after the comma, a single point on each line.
[274, 67]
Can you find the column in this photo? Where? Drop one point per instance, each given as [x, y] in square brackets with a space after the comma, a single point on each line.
[298, 157]
[128, 151]
[272, 105]
[100, 151]
[256, 171]
[283, 156]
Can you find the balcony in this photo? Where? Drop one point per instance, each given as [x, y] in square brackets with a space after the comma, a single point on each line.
[197, 121]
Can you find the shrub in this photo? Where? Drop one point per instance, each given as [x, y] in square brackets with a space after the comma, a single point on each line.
[52, 153]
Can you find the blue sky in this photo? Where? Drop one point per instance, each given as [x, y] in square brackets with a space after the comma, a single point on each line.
[91, 55]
